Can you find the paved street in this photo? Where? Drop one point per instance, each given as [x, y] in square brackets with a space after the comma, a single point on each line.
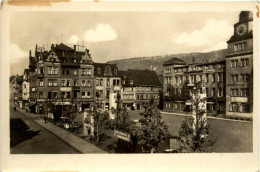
[230, 135]
[27, 137]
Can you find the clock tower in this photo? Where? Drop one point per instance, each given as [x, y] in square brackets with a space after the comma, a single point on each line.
[239, 69]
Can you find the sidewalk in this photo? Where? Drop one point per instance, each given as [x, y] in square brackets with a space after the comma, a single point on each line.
[74, 141]
[209, 117]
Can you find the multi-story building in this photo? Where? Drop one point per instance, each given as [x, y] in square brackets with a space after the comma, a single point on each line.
[138, 86]
[239, 69]
[61, 76]
[26, 87]
[108, 84]
[209, 75]
[16, 90]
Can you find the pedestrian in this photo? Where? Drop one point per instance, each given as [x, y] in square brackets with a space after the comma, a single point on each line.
[14, 108]
[45, 119]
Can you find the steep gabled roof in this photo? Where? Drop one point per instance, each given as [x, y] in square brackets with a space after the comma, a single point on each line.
[140, 78]
[174, 60]
[101, 67]
[63, 47]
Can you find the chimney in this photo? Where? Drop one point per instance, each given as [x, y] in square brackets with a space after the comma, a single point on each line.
[75, 46]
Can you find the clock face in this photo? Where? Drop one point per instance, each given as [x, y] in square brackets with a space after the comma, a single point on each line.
[241, 29]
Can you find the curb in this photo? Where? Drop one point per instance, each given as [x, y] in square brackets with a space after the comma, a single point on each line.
[209, 117]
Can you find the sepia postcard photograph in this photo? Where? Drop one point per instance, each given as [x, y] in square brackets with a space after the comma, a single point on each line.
[97, 85]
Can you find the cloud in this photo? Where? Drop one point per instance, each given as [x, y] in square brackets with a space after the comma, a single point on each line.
[212, 35]
[16, 53]
[73, 39]
[102, 32]
[218, 46]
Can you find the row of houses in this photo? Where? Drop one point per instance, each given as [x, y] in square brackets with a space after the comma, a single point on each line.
[228, 81]
[64, 75]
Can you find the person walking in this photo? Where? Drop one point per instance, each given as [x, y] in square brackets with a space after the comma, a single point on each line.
[45, 119]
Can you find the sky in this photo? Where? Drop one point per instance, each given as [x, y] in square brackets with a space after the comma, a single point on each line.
[119, 35]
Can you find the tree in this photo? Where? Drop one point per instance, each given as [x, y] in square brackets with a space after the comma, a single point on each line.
[100, 118]
[153, 130]
[185, 92]
[121, 115]
[194, 130]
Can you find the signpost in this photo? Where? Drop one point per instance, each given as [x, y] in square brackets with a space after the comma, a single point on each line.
[122, 135]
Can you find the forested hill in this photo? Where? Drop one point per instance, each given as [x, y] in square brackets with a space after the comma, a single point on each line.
[156, 62]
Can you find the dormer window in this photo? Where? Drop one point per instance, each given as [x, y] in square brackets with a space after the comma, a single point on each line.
[123, 81]
[98, 70]
[115, 71]
[108, 70]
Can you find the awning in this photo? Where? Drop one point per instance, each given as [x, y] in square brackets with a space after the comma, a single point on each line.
[32, 104]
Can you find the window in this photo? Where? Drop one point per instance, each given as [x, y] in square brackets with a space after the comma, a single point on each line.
[213, 92]
[49, 95]
[207, 78]
[68, 95]
[67, 72]
[101, 82]
[41, 83]
[213, 78]
[131, 82]
[63, 83]
[218, 77]
[108, 82]
[206, 67]
[52, 70]
[41, 71]
[234, 78]
[207, 92]
[108, 70]
[234, 63]
[244, 107]
[83, 83]
[89, 83]
[68, 83]
[52, 83]
[98, 70]
[74, 60]
[244, 77]
[63, 95]
[180, 79]
[115, 71]
[99, 93]
[55, 83]
[83, 72]
[175, 70]
[83, 94]
[244, 92]
[88, 72]
[41, 95]
[235, 47]
[233, 107]
[234, 92]
[244, 62]
[219, 66]
[55, 95]
[76, 82]
[75, 72]
[220, 92]
[63, 71]
[123, 81]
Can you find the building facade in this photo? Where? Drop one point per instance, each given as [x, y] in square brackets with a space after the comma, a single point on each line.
[180, 79]
[138, 86]
[61, 76]
[26, 88]
[107, 84]
[239, 69]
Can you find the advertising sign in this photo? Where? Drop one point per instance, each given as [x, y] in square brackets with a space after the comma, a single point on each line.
[122, 135]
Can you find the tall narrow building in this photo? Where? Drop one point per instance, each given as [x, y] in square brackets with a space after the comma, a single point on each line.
[239, 69]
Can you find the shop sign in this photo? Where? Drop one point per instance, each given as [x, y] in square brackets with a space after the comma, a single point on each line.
[122, 135]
